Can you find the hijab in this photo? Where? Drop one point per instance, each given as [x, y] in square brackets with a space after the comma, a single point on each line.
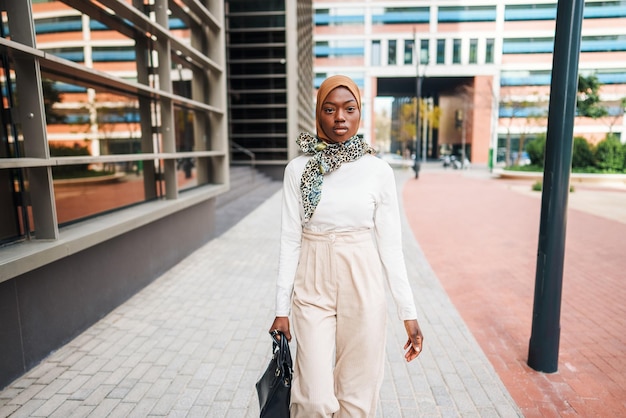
[327, 156]
[326, 87]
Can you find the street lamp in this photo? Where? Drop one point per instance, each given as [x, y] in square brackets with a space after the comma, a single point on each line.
[418, 95]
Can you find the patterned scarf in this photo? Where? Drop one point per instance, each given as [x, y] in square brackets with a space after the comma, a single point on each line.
[326, 158]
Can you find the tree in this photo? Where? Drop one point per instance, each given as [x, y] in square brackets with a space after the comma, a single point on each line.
[609, 155]
[582, 154]
[615, 117]
[588, 103]
[516, 109]
[51, 96]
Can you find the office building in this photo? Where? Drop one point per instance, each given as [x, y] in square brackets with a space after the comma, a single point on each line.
[485, 66]
[117, 143]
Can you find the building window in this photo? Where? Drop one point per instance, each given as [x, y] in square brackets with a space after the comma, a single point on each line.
[457, 14]
[456, 51]
[108, 139]
[400, 15]
[409, 45]
[392, 52]
[527, 45]
[376, 54]
[59, 24]
[339, 17]
[608, 43]
[531, 11]
[424, 55]
[113, 54]
[76, 54]
[604, 9]
[525, 78]
[489, 51]
[473, 51]
[611, 76]
[441, 51]
[339, 49]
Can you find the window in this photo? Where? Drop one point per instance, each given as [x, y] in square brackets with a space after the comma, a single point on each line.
[400, 15]
[530, 11]
[392, 52]
[339, 17]
[441, 51]
[409, 45]
[604, 9]
[489, 51]
[473, 51]
[376, 54]
[75, 54]
[527, 45]
[59, 24]
[424, 55]
[113, 54]
[611, 76]
[467, 14]
[456, 51]
[339, 48]
[103, 141]
[525, 78]
[603, 43]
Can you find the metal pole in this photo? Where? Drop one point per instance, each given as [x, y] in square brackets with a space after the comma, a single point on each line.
[418, 94]
[543, 349]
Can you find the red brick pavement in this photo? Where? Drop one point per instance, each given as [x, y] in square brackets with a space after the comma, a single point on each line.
[481, 240]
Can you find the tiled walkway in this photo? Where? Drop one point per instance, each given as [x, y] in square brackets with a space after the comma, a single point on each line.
[480, 235]
[193, 343]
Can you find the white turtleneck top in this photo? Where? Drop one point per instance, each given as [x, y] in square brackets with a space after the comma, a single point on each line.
[359, 195]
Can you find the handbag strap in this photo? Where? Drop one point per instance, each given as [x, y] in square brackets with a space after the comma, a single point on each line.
[283, 353]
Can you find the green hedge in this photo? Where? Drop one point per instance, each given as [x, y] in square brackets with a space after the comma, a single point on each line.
[608, 156]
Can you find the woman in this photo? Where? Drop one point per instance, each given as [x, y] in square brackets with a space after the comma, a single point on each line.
[340, 235]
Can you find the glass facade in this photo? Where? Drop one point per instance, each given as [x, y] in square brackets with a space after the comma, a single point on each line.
[100, 135]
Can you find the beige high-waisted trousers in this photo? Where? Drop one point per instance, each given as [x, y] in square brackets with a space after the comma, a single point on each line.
[339, 318]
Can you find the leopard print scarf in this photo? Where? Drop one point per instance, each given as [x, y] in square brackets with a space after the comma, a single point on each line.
[326, 158]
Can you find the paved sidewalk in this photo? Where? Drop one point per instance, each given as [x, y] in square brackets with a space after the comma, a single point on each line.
[194, 342]
[480, 235]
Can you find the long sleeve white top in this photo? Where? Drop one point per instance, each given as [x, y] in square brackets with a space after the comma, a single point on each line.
[359, 195]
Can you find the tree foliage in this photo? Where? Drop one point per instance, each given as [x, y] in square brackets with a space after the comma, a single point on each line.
[51, 96]
[582, 155]
[536, 150]
[609, 154]
[588, 103]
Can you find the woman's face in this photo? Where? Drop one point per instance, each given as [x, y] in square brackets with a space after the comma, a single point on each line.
[340, 115]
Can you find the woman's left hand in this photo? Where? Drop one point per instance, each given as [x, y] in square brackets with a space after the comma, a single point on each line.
[414, 343]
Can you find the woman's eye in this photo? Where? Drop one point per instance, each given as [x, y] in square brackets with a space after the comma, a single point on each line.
[351, 109]
[329, 110]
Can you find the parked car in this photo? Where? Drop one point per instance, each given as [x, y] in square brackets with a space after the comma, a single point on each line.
[396, 161]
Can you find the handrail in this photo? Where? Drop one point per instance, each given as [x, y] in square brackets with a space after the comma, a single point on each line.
[238, 148]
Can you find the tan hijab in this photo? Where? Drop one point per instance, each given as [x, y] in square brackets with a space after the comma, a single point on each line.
[327, 86]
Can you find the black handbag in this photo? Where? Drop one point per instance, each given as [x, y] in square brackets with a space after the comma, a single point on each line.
[274, 387]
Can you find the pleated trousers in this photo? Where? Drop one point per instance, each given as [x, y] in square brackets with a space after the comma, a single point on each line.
[339, 319]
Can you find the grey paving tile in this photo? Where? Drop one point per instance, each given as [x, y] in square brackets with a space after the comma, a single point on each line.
[194, 342]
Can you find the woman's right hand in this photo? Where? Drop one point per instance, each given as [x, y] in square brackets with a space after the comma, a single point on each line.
[281, 323]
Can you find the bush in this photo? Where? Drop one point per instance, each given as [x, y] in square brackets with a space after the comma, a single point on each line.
[536, 150]
[69, 171]
[582, 155]
[537, 186]
[609, 155]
